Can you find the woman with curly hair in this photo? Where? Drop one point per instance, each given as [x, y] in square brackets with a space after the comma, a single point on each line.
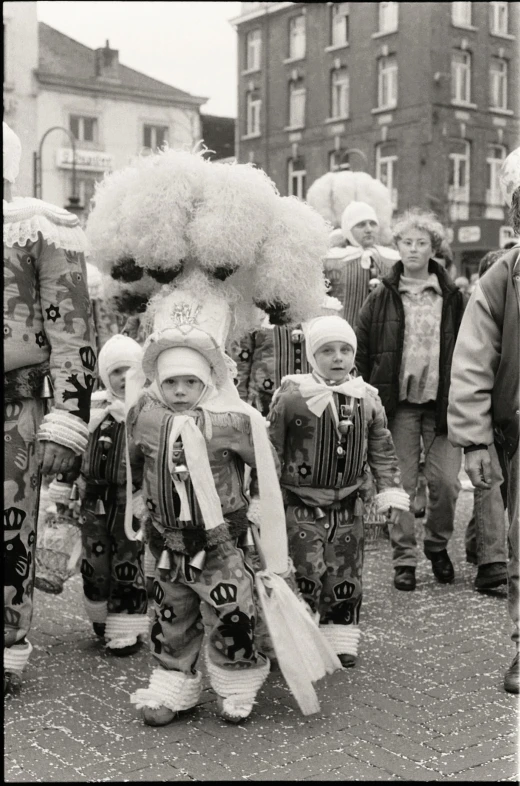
[406, 334]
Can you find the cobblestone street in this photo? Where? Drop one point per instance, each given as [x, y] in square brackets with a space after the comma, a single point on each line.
[425, 701]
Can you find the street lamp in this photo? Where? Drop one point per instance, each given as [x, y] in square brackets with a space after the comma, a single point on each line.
[74, 205]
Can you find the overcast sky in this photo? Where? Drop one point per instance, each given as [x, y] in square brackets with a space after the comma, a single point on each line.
[191, 46]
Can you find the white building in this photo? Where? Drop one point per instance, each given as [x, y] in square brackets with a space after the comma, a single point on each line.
[60, 89]
[20, 85]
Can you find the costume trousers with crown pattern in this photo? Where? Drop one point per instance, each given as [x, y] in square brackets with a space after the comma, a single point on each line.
[22, 420]
[328, 558]
[111, 565]
[217, 599]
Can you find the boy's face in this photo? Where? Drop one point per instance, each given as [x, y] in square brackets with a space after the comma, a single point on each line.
[365, 233]
[117, 379]
[335, 360]
[183, 392]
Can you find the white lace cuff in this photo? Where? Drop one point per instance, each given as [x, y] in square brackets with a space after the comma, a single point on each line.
[392, 498]
[64, 429]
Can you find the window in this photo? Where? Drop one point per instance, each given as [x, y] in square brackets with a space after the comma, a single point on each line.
[461, 14]
[461, 77]
[155, 136]
[458, 180]
[499, 18]
[253, 50]
[494, 198]
[387, 82]
[296, 103]
[386, 170]
[253, 106]
[338, 159]
[388, 17]
[296, 177]
[84, 129]
[339, 24]
[498, 83]
[297, 37]
[339, 93]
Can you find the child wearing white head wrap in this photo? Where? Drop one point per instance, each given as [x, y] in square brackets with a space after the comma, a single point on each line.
[112, 565]
[325, 433]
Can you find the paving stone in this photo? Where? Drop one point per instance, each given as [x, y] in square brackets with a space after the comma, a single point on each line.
[498, 770]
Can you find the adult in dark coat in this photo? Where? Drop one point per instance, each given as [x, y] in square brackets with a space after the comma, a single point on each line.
[406, 334]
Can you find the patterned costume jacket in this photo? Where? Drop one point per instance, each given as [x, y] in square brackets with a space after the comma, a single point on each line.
[229, 448]
[48, 316]
[307, 447]
[263, 358]
[348, 278]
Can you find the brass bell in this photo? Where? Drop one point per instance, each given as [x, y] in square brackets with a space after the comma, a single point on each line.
[198, 560]
[177, 452]
[319, 513]
[99, 510]
[246, 539]
[181, 472]
[344, 426]
[46, 390]
[165, 561]
[74, 492]
[297, 336]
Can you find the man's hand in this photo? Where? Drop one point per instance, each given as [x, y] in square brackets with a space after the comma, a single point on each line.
[55, 458]
[478, 468]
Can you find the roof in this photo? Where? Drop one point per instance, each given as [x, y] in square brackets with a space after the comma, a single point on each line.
[218, 134]
[62, 60]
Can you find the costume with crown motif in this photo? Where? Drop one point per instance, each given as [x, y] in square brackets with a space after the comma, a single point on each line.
[48, 337]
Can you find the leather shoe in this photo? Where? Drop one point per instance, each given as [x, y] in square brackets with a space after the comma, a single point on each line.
[511, 676]
[404, 578]
[490, 576]
[442, 566]
[347, 660]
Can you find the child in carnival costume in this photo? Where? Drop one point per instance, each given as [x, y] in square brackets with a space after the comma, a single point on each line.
[360, 208]
[326, 427]
[268, 354]
[114, 593]
[191, 438]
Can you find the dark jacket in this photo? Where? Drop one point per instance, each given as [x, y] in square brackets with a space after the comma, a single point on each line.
[484, 396]
[380, 335]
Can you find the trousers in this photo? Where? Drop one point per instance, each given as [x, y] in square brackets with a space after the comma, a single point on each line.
[217, 599]
[111, 565]
[328, 556]
[513, 510]
[441, 469]
[22, 420]
[486, 534]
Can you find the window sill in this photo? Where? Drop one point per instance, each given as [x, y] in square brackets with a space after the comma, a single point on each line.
[379, 109]
[506, 36]
[289, 60]
[250, 136]
[461, 26]
[335, 47]
[339, 119]
[382, 33]
[249, 71]
[294, 128]
[463, 104]
[497, 111]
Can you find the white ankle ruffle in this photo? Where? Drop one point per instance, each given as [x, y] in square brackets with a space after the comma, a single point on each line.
[172, 689]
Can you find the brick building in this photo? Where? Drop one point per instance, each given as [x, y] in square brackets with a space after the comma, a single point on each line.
[427, 94]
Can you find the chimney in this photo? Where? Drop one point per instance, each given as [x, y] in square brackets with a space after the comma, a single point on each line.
[107, 63]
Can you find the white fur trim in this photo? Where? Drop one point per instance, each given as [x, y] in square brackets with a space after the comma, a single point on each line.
[64, 429]
[16, 657]
[149, 563]
[392, 498]
[172, 689]
[243, 684]
[25, 218]
[344, 639]
[97, 610]
[59, 492]
[125, 625]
